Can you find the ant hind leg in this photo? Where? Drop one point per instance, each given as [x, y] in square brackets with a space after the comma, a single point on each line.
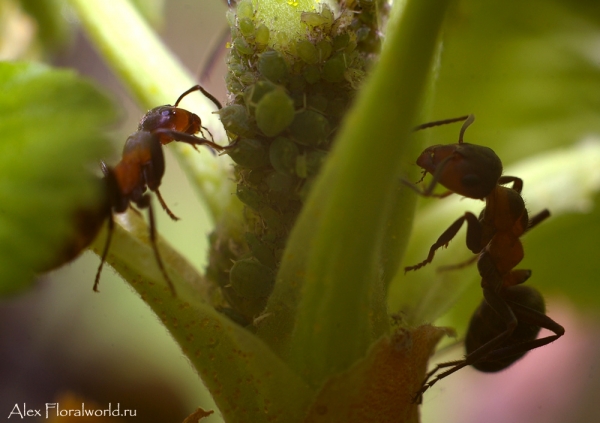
[111, 227]
[146, 203]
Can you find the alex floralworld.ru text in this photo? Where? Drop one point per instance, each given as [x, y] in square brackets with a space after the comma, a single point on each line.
[20, 411]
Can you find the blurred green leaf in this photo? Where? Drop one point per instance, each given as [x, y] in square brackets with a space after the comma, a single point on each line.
[53, 30]
[52, 122]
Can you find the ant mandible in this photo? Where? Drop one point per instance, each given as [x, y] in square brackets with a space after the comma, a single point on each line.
[508, 320]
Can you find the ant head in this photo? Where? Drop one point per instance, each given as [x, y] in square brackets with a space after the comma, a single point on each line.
[170, 117]
[466, 169]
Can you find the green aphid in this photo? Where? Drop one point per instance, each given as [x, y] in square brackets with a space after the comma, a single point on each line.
[310, 128]
[273, 66]
[274, 112]
[250, 153]
[251, 279]
[283, 153]
[235, 119]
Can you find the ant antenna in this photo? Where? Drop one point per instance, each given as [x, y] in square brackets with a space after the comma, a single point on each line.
[203, 91]
[442, 122]
[468, 122]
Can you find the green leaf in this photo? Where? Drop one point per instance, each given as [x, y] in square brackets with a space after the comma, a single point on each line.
[52, 123]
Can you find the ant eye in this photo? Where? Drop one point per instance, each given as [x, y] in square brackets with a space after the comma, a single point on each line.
[165, 113]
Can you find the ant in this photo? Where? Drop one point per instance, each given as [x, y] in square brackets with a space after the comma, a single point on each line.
[508, 320]
[142, 167]
[475, 171]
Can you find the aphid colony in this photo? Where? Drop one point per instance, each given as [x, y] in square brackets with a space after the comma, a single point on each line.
[287, 100]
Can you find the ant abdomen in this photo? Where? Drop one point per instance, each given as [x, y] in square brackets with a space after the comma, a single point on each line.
[486, 324]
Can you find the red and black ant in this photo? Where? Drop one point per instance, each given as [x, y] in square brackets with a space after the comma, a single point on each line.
[142, 167]
[506, 324]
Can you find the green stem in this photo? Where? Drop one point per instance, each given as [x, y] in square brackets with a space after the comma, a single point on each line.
[341, 308]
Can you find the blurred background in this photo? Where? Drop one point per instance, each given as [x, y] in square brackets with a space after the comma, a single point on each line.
[529, 71]
[61, 338]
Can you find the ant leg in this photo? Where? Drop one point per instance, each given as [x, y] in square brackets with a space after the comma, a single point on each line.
[458, 266]
[194, 140]
[532, 317]
[439, 123]
[418, 398]
[189, 139]
[111, 227]
[504, 311]
[146, 203]
[164, 206]
[537, 219]
[427, 192]
[473, 233]
[517, 182]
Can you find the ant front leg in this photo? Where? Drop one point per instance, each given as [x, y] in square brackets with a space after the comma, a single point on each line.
[428, 192]
[474, 234]
[192, 139]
